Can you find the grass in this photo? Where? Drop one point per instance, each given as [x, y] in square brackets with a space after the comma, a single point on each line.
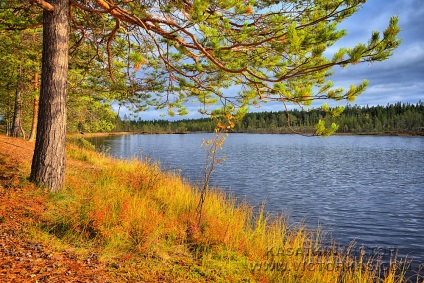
[144, 220]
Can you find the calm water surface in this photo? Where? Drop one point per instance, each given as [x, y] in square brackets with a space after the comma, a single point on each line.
[364, 188]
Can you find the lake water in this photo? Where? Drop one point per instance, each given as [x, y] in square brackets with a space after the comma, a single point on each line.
[369, 189]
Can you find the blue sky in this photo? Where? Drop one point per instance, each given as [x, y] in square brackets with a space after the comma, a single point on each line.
[398, 79]
[401, 77]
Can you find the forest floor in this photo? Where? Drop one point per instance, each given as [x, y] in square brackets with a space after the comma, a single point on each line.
[21, 258]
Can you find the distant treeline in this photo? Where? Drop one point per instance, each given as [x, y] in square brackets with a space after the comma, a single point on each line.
[392, 119]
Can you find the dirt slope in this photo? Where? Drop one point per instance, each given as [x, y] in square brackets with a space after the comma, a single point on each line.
[22, 259]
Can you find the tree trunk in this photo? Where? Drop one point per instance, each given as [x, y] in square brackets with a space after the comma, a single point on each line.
[17, 112]
[34, 119]
[48, 163]
[34, 110]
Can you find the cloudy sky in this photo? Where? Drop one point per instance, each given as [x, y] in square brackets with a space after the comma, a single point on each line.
[399, 79]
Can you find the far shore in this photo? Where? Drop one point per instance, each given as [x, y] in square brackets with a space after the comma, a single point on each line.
[104, 134]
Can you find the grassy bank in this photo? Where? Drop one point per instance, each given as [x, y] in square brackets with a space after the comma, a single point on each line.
[142, 221]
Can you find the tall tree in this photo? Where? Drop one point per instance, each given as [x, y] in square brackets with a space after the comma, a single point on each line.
[272, 50]
[34, 109]
[17, 115]
[48, 164]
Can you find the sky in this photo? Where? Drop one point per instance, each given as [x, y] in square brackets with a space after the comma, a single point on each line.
[401, 77]
[398, 79]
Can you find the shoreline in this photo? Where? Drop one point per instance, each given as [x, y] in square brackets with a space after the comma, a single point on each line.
[121, 133]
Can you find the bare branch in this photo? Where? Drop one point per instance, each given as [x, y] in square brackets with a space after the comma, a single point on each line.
[87, 9]
[43, 4]
[25, 27]
[109, 55]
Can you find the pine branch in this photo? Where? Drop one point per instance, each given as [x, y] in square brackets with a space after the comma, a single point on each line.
[43, 4]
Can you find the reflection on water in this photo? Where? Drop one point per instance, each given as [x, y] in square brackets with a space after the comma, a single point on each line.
[364, 188]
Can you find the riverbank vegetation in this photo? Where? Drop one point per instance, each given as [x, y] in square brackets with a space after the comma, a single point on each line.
[140, 223]
[392, 119]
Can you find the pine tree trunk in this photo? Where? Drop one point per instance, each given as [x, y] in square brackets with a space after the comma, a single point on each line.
[34, 110]
[9, 116]
[34, 119]
[17, 112]
[48, 164]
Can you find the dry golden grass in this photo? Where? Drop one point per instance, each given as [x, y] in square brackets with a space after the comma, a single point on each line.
[133, 210]
[131, 213]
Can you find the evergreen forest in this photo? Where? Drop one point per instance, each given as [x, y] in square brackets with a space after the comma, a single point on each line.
[392, 119]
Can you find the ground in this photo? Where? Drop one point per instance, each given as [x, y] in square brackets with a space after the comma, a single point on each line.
[21, 258]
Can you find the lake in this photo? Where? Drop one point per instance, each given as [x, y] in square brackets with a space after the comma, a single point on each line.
[369, 189]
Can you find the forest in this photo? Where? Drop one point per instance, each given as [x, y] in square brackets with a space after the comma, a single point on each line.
[392, 119]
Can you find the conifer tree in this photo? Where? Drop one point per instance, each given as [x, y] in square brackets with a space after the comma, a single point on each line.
[20, 61]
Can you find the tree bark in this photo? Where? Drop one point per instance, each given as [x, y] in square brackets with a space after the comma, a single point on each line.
[48, 164]
[34, 110]
[17, 112]
[34, 119]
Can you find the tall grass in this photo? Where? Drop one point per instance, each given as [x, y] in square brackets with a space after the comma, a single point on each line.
[132, 212]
